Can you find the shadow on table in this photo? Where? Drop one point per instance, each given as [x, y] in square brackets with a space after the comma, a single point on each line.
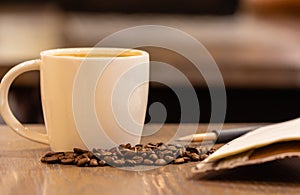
[286, 170]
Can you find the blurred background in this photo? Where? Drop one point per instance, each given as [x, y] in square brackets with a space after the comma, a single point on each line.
[255, 43]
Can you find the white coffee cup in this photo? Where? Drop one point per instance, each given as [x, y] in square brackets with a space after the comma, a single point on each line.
[91, 97]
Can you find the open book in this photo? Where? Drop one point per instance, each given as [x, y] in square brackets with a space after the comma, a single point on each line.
[268, 143]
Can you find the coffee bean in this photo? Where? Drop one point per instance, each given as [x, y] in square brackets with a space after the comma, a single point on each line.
[119, 151]
[61, 157]
[97, 155]
[179, 161]
[195, 157]
[167, 152]
[150, 147]
[77, 159]
[83, 161]
[130, 163]
[172, 148]
[139, 148]
[59, 154]
[128, 155]
[144, 154]
[211, 150]
[192, 150]
[119, 163]
[108, 159]
[160, 162]
[93, 162]
[122, 145]
[85, 155]
[114, 157]
[203, 156]
[162, 147]
[138, 159]
[148, 162]
[160, 154]
[106, 153]
[139, 145]
[151, 144]
[128, 146]
[49, 154]
[43, 159]
[180, 152]
[175, 154]
[67, 161]
[187, 153]
[51, 159]
[69, 154]
[153, 157]
[169, 158]
[90, 154]
[102, 163]
[186, 159]
[100, 150]
[79, 151]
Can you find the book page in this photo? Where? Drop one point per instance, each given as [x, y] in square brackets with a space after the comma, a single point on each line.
[285, 131]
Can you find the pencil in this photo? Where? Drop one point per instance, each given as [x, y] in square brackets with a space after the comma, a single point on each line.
[218, 136]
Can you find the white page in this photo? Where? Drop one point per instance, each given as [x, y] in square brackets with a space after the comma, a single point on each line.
[285, 131]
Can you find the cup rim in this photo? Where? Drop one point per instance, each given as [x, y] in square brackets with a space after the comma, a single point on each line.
[114, 51]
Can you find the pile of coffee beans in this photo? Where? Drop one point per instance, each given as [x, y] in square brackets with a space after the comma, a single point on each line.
[127, 155]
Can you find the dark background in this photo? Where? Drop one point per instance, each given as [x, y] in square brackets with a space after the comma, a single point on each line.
[244, 104]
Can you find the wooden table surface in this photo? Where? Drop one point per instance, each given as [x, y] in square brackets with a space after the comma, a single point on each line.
[23, 173]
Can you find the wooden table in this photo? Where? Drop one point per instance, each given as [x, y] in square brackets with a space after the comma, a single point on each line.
[23, 173]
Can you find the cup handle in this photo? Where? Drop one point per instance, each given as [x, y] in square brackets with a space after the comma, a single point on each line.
[5, 110]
